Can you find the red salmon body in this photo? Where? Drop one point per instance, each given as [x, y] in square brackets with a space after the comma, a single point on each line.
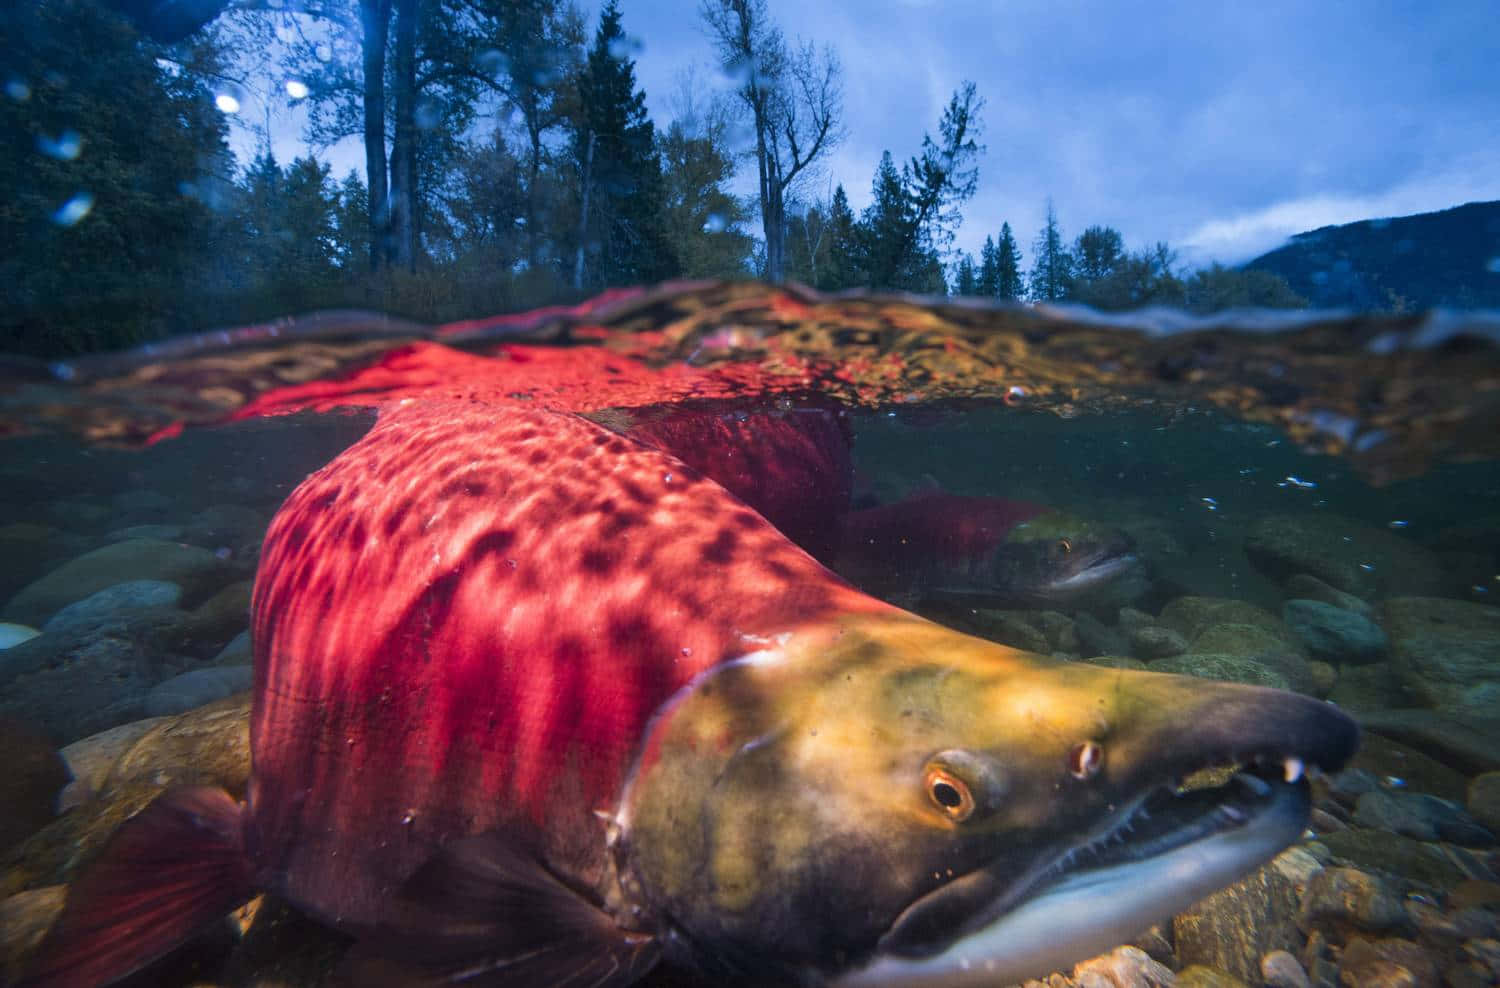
[466, 621]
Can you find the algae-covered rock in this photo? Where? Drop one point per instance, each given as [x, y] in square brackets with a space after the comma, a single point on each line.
[1349, 555]
[198, 571]
[1192, 616]
[1232, 928]
[1447, 652]
[1333, 633]
[1216, 665]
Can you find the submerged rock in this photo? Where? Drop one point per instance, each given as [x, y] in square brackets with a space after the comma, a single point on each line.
[1349, 555]
[1218, 665]
[1469, 742]
[15, 634]
[111, 602]
[198, 571]
[196, 688]
[1305, 586]
[1333, 633]
[1447, 652]
[1231, 929]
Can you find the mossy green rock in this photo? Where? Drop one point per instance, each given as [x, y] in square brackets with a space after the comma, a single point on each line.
[198, 571]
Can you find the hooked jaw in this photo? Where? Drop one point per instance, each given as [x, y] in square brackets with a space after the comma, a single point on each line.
[1163, 846]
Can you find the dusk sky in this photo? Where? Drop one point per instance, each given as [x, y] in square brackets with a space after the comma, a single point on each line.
[1219, 127]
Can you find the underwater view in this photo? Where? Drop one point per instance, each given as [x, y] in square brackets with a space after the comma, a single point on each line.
[586, 545]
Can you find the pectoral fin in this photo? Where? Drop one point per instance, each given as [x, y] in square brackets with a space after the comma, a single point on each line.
[488, 912]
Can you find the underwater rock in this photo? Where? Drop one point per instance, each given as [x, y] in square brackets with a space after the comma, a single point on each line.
[1390, 763]
[112, 602]
[1218, 665]
[1333, 633]
[1379, 850]
[1390, 961]
[1156, 642]
[1305, 586]
[31, 550]
[238, 652]
[1199, 976]
[1420, 817]
[1279, 969]
[1193, 616]
[195, 688]
[1341, 901]
[226, 524]
[72, 686]
[1009, 628]
[1484, 800]
[1232, 928]
[141, 503]
[15, 634]
[198, 571]
[167, 533]
[1123, 967]
[1349, 555]
[76, 514]
[1370, 687]
[1243, 639]
[1097, 638]
[1470, 742]
[1446, 651]
[31, 776]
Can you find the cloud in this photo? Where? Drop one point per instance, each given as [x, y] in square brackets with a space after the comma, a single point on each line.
[1246, 234]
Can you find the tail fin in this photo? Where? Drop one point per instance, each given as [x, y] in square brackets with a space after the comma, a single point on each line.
[169, 871]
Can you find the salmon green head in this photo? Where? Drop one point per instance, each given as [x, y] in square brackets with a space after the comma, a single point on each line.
[890, 802]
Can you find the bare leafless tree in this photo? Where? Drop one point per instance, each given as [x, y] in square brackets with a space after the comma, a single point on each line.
[794, 98]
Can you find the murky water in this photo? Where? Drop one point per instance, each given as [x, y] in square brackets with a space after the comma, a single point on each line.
[1297, 514]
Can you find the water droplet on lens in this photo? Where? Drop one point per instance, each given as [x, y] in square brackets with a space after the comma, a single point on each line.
[65, 147]
[227, 103]
[18, 90]
[73, 210]
[714, 224]
[296, 89]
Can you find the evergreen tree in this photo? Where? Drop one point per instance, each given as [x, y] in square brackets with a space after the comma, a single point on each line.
[887, 229]
[1138, 278]
[350, 223]
[1096, 252]
[988, 282]
[966, 282]
[113, 164]
[1052, 268]
[622, 234]
[845, 264]
[1008, 265]
[1215, 288]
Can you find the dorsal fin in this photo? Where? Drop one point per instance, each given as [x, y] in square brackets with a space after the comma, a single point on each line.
[487, 911]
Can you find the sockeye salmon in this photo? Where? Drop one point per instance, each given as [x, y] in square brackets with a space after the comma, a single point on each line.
[538, 704]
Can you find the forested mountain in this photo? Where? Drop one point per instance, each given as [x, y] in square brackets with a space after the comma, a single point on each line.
[1449, 258]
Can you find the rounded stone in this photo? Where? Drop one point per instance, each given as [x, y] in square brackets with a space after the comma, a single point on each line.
[112, 602]
[1484, 800]
[1156, 642]
[195, 688]
[1334, 634]
[198, 571]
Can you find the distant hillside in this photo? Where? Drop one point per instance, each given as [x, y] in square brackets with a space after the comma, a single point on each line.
[1447, 258]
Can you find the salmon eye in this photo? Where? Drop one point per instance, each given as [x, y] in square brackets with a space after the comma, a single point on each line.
[950, 794]
[1085, 760]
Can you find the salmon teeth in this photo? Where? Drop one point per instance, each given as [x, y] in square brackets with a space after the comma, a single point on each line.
[1292, 769]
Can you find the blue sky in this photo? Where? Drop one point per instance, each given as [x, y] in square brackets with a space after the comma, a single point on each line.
[1219, 127]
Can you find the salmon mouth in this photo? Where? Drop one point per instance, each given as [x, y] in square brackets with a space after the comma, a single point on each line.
[1171, 846]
